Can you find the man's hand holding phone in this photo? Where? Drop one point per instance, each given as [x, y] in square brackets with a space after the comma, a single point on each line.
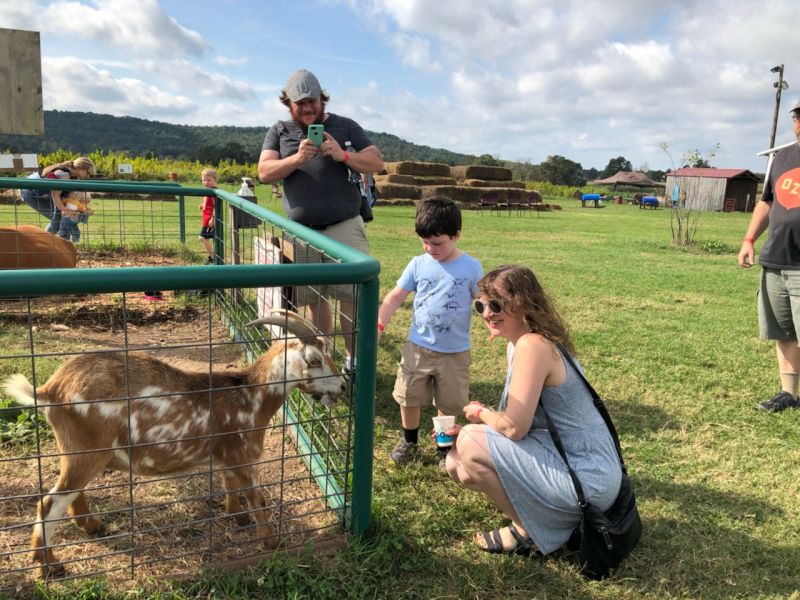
[309, 147]
[330, 147]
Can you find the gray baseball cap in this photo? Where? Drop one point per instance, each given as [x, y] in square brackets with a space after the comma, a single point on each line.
[301, 85]
[795, 107]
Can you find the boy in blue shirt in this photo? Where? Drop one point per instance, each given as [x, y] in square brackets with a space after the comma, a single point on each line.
[436, 357]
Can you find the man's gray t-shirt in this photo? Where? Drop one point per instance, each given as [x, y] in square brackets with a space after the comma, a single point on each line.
[318, 193]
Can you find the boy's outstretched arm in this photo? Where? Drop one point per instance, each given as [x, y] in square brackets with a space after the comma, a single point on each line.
[391, 302]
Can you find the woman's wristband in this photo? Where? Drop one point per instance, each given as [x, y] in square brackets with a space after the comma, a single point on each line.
[381, 327]
[749, 239]
[345, 157]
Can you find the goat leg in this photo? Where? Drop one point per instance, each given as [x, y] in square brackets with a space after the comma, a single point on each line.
[80, 513]
[233, 503]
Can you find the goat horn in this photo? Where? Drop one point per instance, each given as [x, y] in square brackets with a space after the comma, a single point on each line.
[293, 322]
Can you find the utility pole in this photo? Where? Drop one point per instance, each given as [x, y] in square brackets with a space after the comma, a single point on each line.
[780, 85]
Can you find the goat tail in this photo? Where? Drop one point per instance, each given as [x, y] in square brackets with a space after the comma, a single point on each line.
[18, 387]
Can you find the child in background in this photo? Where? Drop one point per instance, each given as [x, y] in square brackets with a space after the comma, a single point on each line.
[436, 357]
[209, 179]
[76, 210]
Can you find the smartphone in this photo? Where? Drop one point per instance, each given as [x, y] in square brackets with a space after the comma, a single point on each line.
[315, 134]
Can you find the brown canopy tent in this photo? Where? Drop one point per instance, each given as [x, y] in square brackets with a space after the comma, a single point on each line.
[628, 178]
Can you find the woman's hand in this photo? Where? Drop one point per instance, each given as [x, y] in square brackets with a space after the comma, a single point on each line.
[471, 411]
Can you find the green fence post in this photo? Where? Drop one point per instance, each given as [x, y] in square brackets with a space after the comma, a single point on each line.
[365, 405]
[182, 217]
[219, 231]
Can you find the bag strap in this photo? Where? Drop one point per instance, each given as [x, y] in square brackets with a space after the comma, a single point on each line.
[601, 408]
[598, 404]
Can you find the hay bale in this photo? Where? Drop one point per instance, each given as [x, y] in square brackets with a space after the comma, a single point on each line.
[459, 193]
[394, 178]
[533, 196]
[412, 180]
[9, 197]
[485, 183]
[481, 172]
[394, 190]
[408, 167]
[397, 202]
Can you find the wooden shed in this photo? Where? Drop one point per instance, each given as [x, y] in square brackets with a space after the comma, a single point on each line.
[715, 189]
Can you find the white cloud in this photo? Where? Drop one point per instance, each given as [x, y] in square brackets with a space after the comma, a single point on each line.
[414, 51]
[71, 84]
[226, 61]
[136, 26]
[185, 75]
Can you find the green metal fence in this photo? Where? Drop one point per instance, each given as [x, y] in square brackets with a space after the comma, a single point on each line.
[338, 452]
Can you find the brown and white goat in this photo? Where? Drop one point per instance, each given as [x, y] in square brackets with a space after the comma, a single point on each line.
[178, 419]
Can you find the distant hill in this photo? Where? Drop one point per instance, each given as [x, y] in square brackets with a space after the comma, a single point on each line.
[83, 132]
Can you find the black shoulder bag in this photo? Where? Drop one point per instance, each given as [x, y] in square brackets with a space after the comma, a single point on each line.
[603, 539]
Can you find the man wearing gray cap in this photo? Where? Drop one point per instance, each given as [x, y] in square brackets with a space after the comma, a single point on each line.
[779, 294]
[317, 189]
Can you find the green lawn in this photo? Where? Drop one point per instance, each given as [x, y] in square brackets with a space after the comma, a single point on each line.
[669, 337]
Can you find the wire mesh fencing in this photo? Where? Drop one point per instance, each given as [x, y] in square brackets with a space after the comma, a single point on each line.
[156, 423]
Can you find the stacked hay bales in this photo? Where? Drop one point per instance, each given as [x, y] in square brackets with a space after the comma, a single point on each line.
[422, 169]
[481, 172]
[407, 181]
[485, 183]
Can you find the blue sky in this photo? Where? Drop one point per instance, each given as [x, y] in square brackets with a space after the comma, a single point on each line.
[517, 79]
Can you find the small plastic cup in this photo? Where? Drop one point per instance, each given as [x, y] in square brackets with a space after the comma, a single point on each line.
[441, 425]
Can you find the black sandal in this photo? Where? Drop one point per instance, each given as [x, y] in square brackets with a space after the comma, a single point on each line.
[494, 542]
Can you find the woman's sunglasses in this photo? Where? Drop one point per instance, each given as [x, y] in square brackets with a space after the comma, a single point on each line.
[496, 306]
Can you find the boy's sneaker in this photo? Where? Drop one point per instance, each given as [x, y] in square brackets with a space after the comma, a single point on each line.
[403, 451]
[780, 401]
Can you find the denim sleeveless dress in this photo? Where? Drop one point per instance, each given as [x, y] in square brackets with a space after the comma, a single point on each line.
[535, 476]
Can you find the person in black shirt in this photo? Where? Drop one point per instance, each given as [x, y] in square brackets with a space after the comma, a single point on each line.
[317, 188]
[779, 293]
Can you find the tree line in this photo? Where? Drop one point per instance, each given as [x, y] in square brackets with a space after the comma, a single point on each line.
[82, 132]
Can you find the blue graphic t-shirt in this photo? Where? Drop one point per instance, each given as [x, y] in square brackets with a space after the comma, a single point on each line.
[443, 294]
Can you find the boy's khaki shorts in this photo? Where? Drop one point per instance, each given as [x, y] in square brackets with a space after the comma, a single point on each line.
[350, 232]
[425, 376]
[779, 304]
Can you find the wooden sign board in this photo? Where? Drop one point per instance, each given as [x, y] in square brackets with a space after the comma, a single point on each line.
[18, 163]
[21, 109]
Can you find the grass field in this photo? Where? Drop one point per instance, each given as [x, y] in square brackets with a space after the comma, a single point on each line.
[669, 337]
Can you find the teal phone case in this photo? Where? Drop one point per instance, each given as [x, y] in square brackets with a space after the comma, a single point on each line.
[315, 134]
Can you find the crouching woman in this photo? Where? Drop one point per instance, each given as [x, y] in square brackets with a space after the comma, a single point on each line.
[508, 453]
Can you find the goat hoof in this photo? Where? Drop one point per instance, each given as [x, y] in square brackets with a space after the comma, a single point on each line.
[94, 525]
[52, 571]
[242, 519]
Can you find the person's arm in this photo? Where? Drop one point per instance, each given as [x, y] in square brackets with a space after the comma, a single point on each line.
[391, 302]
[56, 195]
[271, 167]
[535, 360]
[758, 223]
[366, 160]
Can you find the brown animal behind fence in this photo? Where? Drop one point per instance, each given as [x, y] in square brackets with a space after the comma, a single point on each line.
[178, 420]
[29, 247]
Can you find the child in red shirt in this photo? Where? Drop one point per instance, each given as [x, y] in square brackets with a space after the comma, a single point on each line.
[209, 179]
